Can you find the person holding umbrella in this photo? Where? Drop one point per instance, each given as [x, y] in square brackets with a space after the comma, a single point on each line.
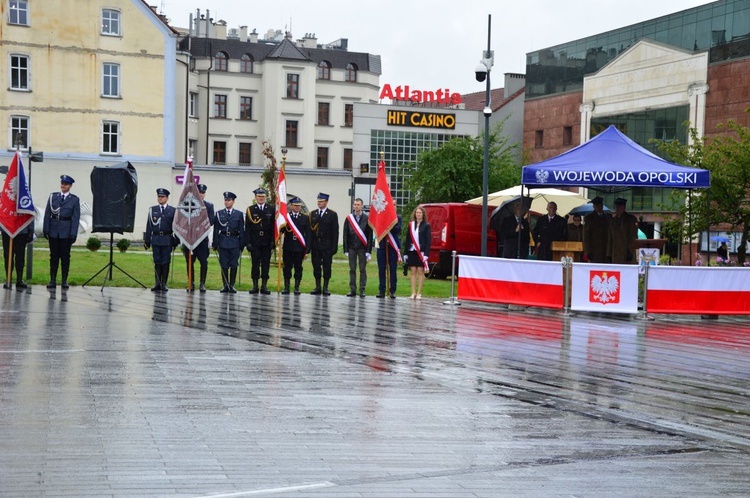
[722, 252]
[514, 232]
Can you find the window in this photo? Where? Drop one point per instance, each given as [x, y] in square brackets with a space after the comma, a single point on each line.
[246, 150]
[322, 157]
[220, 106]
[193, 107]
[539, 139]
[220, 152]
[291, 133]
[324, 112]
[221, 61]
[193, 147]
[567, 135]
[110, 137]
[18, 13]
[324, 70]
[292, 86]
[348, 159]
[110, 22]
[246, 64]
[19, 129]
[348, 115]
[351, 72]
[19, 72]
[246, 108]
[111, 80]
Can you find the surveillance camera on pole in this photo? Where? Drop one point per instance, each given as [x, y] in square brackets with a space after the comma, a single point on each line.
[481, 73]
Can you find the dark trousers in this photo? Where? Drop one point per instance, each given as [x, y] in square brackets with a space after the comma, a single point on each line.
[229, 258]
[19, 254]
[261, 257]
[59, 254]
[162, 254]
[293, 260]
[357, 260]
[391, 266]
[321, 263]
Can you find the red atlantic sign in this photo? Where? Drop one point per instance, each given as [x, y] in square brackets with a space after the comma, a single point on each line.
[441, 95]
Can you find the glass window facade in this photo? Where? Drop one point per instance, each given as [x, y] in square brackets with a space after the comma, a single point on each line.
[400, 148]
[722, 28]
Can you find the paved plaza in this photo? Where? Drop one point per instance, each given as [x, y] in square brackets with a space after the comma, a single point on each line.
[124, 392]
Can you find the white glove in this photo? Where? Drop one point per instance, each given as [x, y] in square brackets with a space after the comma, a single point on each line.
[346, 254]
[367, 256]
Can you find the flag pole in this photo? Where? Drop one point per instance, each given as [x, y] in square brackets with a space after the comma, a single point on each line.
[9, 259]
[190, 272]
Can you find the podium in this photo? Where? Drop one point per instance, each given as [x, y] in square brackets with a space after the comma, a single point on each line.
[562, 248]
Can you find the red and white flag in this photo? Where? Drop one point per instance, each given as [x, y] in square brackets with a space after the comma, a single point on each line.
[698, 290]
[16, 205]
[607, 288]
[191, 224]
[511, 281]
[281, 208]
[383, 214]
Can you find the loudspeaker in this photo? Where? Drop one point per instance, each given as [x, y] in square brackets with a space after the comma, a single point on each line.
[115, 189]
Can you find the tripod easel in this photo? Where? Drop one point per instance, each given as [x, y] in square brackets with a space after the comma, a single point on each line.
[111, 265]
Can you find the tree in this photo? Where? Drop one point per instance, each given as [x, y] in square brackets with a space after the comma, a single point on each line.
[453, 172]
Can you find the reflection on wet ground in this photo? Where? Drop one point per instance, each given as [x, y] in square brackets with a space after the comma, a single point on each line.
[127, 392]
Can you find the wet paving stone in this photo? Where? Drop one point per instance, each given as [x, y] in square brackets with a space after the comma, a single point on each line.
[122, 392]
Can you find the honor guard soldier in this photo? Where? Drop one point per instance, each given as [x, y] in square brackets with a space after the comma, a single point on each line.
[201, 252]
[19, 254]
[357, 247]
[297, 239]
[229, 230]
[61, 218]
[160, 239]
[259, 237]
[389, 255]
[324, 224]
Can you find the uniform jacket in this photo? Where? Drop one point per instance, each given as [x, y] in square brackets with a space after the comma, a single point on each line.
[396, 232]
[325, 230]
[159, 226]
[546, 231]
[229, 230]
[351, 239]
[623, 232]
[61, 218]
[425, 238]
[259, 226]
[291, 243]
[595, 235]
[509, 237]
[210, 211]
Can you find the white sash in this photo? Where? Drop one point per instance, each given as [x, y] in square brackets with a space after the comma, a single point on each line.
[357, 229]
[293, 226]
[415, 243]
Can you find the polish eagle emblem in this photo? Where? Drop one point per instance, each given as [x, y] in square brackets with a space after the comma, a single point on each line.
[12, 190]
[379, 202]
[542, 176]
[605, 288]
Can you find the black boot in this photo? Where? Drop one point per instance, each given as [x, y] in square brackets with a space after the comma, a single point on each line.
[296, 286]
[264, 287]
[254, 290]
[224, 281]
[204, 272]
[316, 291]
[325, 288]
[20, 284]
[232, 279]
[65, 268]
[164, 277]
[286, 286]
[52, 275]
[157, 279]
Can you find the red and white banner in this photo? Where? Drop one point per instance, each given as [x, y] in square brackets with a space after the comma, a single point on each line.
[698, 290]
[281, 208]
[604, 288]
[511, 281]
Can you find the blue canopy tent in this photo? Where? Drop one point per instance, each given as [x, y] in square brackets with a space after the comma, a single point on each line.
[611, 159]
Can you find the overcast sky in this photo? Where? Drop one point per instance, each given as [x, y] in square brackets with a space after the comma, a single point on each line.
[434, 44]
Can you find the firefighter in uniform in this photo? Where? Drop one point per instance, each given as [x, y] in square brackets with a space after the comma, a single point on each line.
[297, 240]
[160, 239]
[229, 233]
[201, 252]
[259, 237]
[324, 224]
[61, 218]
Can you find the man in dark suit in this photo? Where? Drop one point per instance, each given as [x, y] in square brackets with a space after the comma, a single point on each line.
[547, 230]
[229, 234]
[388, 257]
[201, 252]
[514, 233]
[297, 240]
[324, 224]
[357, 247]
[61, 218]
[259, 231]
[160, 239]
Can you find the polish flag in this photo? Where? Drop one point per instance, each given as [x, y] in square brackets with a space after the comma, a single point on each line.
[698, 290]
[606, 288]
[511, 281]
[281, 208]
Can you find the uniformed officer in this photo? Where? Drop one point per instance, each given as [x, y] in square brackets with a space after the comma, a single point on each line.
[229, 230]
[324, 224]
[623, 233]
[297, 240]
[159, 238]
[201, 252]
[19, 254]
[61, 218]
[596, 232]
[259, 221]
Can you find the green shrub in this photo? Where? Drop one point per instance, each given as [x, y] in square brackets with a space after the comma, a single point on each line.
[93, 244]
[123, 245]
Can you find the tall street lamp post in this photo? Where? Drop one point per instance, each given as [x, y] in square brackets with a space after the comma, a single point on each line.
[483, 73]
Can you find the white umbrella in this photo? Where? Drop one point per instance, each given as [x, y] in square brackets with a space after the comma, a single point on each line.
[564, 199]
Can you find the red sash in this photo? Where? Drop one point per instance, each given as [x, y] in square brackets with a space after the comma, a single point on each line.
[415, 243]
[357, 229]
[392, 242]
